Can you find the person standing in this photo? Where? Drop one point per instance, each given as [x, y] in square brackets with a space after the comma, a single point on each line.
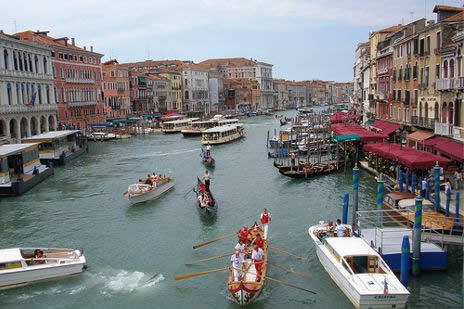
[424, 185]
[241, 248]
[237, 262]
[257, 257]
[457, 179]
[448, 186]
[207, 178]
[208, 150]
[265, 220]
[292, 156]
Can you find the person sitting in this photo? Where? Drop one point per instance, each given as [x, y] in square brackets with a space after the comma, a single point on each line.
[140, 181]
[148, 181]
[259, 241]
[38, 254]
[243, 234]
[207, 198]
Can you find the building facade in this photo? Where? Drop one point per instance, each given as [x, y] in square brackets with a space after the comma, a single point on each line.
[195, 86]
[116, 93]
[27, 99]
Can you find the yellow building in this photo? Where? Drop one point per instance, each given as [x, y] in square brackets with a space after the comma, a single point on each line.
[176, 88]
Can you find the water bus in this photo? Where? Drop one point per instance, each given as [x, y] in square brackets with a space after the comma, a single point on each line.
[223, 134]
[176, 126]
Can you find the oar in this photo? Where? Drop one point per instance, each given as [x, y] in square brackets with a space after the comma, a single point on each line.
[211, 241]
[289, 270]
[188, 192]
[286, 252]
[201, 273]
[209, 259]
[153, 277]
[289, 284]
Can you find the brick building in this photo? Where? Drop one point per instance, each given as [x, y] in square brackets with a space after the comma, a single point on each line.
[116, 95]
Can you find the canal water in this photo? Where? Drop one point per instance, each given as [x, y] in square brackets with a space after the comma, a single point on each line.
[134, 252]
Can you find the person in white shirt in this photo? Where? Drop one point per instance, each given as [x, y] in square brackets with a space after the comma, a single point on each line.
[208, 151]
[241, 248]
[207, 178]
[237, 262]
[257, 257]
[340, 229]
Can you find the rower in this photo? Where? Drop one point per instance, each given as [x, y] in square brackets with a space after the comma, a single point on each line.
[241, 248]
[243, 234]
[207, 178]
[237, 262]
[257, 257]
[265, 220]
[208, 150]
[259, 241]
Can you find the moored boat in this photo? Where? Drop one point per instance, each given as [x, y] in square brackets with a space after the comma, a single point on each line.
[23, 266]
[309, 170]
[357, 269]
[207, 206]
[176, 126]
[248, 288]
[140, 192]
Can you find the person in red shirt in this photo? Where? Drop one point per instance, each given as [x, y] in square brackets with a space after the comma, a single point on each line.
[265, 220]
[243, 234]
[259, 241]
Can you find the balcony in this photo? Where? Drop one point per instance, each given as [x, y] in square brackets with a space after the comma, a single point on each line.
[443, 128]
[450, 83]
[20, 108]
[82, 103]
[79, 80]
[423, 122]
[380, 96]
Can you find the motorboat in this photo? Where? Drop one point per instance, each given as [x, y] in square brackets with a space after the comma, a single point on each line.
[23, 266]
[357, 269]
[140, 192]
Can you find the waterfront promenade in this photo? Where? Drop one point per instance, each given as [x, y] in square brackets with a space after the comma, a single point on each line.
[134, 252]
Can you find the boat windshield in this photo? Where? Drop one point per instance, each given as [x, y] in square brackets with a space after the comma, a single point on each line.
[364, 264]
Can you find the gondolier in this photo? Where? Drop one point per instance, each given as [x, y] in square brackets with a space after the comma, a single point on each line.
[208, 151]
[206, 178]
[265, 220]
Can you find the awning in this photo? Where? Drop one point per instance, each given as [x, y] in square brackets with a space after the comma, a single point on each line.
[419, 136]
[385, 127]
[452, 149]
[409, 157]
[100, 125]
[369, 122]
[351, 128]
[435, 141]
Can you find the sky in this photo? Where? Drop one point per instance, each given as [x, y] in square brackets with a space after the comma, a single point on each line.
[303, 39]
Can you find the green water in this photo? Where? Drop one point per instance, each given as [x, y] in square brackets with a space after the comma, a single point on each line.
[126, 246]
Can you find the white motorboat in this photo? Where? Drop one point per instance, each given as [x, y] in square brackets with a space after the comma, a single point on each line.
[22, 266]
[357, 269]
[223, 134]
[139, 193]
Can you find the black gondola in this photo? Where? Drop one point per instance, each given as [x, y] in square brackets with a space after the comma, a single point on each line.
[207, 161]
[211, 207]
[309, 171]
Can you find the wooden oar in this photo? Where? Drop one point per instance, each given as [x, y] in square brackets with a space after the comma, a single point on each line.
[286, 252]
[290, 285]
[214, 240]
[209, 259]
[188, 192]
[289, 270]
[201, 273]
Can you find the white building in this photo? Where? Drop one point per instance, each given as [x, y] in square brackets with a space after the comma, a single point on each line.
[195, 85]
[27, 96]
[264, 78]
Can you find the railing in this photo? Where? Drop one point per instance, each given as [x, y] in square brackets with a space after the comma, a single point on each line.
[79, 80]
[20, 108]
[82, 103]
[443, 128]
[16, 73]
[423, 122]
[458, 133]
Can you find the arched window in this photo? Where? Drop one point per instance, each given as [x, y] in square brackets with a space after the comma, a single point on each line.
[436, 112]
[452, 68]
[20, 60]
[15, 61]
[444, 112]
[426, 111]
[445, 69]
[450, 113]
[5, 58]
[30, 63]
[186, 95]
[26, 66]
[36, 62]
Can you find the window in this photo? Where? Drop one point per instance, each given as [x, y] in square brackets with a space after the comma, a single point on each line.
[445, 69]
[438, 39]
[427, 48]
[414, 73]
[437, 71]
[399, 95]
[427, 71]
[45, 65]
[416, 46]
[451, 69]
[421, 48]
[5, 59]
[400, 75]
[60, 55]
[394, 95]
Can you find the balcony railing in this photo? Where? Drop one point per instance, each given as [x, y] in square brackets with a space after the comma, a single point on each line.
[82, 103]
[79, 80]
[423, 122]
[20, 108]
[450, 83]
[443, 128]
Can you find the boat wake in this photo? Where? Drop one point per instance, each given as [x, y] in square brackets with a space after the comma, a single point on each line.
[127, 282]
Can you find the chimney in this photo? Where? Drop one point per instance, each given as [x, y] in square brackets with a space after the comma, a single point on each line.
[91, 48]
[73, 40]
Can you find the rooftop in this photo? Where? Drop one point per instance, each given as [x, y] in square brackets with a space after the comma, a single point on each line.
[10, 255]
[51, 135]
[223, 128]
[11, 149]
[447, 8]
[350, 246]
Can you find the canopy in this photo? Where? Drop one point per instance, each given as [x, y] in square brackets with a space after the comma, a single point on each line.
[385, 127]
[446, 146]
[419, 136]
[364, 135]
[340, 117]
[346, 138]
[409, 157]
[100, 125]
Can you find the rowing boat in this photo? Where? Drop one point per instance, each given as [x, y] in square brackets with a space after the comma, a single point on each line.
[248, 288]
[210, 208]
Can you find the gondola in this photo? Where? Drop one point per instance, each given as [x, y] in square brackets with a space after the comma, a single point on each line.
[307, 171]
[283, 121]
[207, 161]
[211, 208]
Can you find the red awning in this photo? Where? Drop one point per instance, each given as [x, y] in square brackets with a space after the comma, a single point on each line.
[409, 157]
[351, 128]
[340, 117]
[435, 141]
[452, 149]
[385, 127]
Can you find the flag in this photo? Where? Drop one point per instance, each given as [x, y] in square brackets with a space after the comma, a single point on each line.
[32, 101]
[385, 287]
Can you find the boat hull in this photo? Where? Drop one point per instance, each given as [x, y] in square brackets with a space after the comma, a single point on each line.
[34, 275]
[151, 195]
[223, 140]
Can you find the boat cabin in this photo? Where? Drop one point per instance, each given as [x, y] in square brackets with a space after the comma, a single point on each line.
[222, 122]
[356, 256]
[58, 146]
[222, 134]
[20, 168]
[177, 125]
[172, 118]
[206, 124]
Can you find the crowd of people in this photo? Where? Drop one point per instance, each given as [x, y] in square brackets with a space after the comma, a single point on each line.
[250, 248]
